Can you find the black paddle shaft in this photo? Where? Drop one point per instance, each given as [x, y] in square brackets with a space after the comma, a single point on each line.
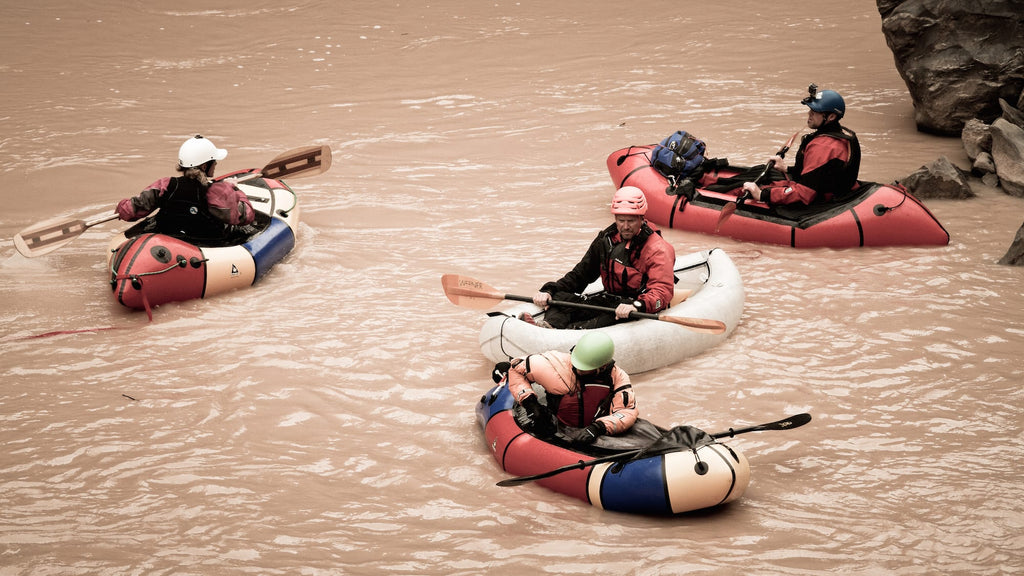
[784, 424]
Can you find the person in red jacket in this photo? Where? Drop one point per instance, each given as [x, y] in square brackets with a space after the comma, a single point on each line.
[635, 265]
[827, 163]
[584, 389]
[192, 206]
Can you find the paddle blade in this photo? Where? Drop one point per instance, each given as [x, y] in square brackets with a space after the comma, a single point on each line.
[299, 163]
[727, 211]
[704, 325]
[45, 237]
[469, 292]
[794, 421]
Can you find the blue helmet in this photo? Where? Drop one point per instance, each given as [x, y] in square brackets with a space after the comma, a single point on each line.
[825, 102]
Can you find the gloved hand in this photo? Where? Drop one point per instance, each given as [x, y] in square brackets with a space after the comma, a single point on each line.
[540, 417]
[589, 434]
[500, 371]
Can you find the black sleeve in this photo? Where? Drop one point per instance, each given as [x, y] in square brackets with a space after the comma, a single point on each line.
[586, 270]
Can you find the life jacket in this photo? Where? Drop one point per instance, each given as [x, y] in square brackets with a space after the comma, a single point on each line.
[185, 213]
[619, 274]
[836, 181]
[590, 401]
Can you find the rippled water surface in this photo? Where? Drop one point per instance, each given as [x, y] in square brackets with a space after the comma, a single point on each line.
[322, 421]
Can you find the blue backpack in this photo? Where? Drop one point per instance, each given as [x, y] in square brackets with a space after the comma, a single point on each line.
[678, 156]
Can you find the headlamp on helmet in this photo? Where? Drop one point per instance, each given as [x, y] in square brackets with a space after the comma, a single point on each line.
[824, 101]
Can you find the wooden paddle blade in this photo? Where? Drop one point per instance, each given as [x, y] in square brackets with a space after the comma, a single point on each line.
[469, 292]
[727, 211]
[696, 324]
[50, 235]
[298, 163]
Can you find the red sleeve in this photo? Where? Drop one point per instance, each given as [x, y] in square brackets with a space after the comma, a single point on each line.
[131, 209]
[518, 381]
[226, 199]
[623, 411]
[788, 192]
[660, 258]
[820, 150]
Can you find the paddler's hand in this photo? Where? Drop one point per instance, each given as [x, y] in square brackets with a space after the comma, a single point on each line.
[541, 422]
[780, 163]
[752, 190]
[622, 311]
[542, 299]
[589, 434]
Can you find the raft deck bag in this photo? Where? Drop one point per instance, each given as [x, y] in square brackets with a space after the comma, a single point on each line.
[679, 156]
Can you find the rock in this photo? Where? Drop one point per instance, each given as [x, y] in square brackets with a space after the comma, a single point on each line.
[1011, 114]
[983, 164]
[991, 179]
[957, 58]
[885, 7]
[976, 138]
[1015, 255]
[1008, 156]
[940, 179]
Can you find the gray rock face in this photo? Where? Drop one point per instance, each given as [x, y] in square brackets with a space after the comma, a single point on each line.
[983, 165]
[1015, 255]
[940, 179]
[957, 57]
[1008, 156]
[1011, 114]
[977, 138]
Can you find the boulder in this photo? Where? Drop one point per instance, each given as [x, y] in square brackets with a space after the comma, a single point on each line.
[1011, 114]
[957, 58]
[1008, 156]
[976, 138]
[983, 165]
[940, 179]
[1015, 255]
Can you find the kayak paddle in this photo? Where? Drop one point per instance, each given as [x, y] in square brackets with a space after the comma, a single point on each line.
[472, 293]
[47, 236]
[794, 421]
[730, 207]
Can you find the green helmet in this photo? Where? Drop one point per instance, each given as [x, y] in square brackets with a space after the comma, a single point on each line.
[594, 350]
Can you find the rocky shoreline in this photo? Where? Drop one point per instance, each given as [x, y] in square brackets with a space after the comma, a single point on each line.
[963, 64]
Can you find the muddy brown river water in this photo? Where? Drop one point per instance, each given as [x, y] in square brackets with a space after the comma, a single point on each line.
[322, 421]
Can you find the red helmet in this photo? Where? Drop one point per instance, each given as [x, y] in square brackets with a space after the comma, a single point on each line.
[629, 200]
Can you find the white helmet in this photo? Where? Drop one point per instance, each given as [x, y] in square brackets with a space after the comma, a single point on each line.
[198, 151]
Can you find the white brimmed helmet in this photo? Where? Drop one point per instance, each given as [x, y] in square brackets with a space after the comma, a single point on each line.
[198, 151]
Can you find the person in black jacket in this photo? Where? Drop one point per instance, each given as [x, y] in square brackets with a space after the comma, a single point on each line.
[635, 265]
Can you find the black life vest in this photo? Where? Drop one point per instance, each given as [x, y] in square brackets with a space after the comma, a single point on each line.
[185, 213]
[836, 179]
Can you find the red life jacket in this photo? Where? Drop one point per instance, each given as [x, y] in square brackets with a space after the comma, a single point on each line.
[580, 407]
[619, 273]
